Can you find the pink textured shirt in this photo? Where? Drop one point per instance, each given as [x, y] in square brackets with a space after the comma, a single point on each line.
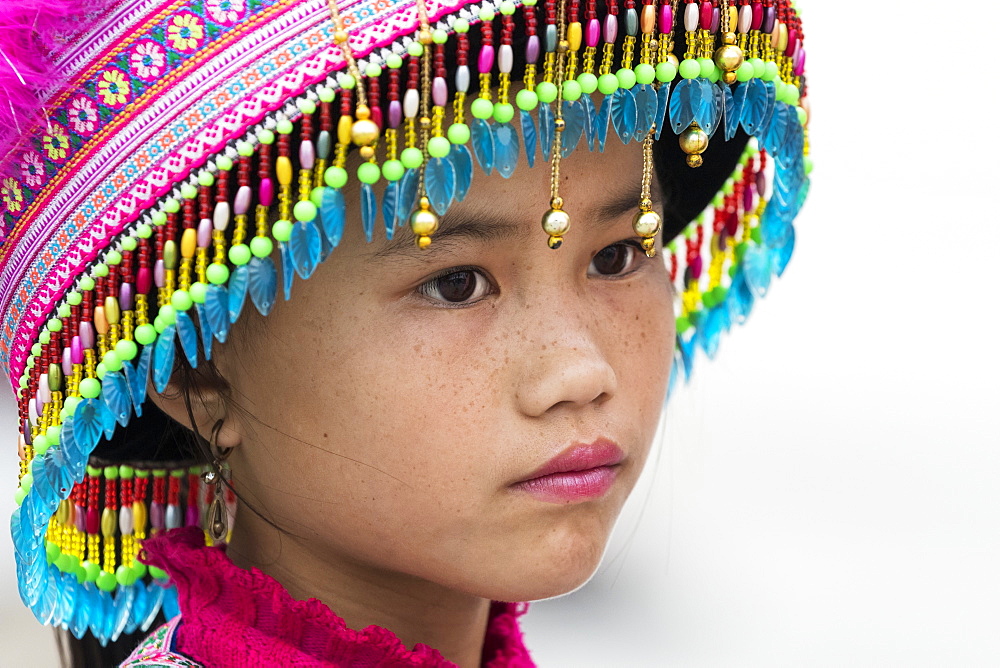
[243, 618]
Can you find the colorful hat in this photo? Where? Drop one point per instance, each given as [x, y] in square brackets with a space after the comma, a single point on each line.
[149, 154]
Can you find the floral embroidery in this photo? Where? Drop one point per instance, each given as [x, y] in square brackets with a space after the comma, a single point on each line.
[114, 88]
[148, 61]
[32, 170]
[226, 11]
[83, 115]
[185, 32]
[13, 197]
[56, 143]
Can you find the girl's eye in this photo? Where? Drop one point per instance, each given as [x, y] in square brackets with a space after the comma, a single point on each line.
[615, 259]
[456, 287]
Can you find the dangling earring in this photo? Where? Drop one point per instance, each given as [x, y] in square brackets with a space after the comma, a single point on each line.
[216, 522]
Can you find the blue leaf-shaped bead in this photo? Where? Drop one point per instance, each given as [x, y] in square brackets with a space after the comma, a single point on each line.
[735, 100]
[407, 196]
[389, 200]
[108, 423]
[369, 211]
[439, 179]
[306, 245]
[757, 107]
[740, 299]
[138, 609]
[482, 144]
[530, 133]
[776, 132]
[217, 311]
[507, 146]
[686, 348]
[624, 115]
[104, 621]
[662, 100]
[711, 330]
[78, 621]
[87, 425]
[708, 110]
[171, 608]
[124, 598]
[68, 444]
[461, 160]
[263, 284]
[163, 359]
[204, 331]
[238, 282]
[154, 602]
[782, 255]
[757, 269]
[115, 392]
[546, 128]
[332, 213]
[575, 119]
[287, 269]
[140, 377]
[188, 335]
[685, 99]
[645, 107]
[601, 125]
[590, 120]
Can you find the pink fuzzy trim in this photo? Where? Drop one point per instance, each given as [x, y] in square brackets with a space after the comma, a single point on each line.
[30, 31]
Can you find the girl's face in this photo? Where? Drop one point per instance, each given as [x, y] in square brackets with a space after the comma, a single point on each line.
[401, 396]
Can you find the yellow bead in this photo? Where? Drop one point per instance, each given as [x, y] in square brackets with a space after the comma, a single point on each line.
[555, 222]
[189, 242]
[364, 132]
[729, 78]
[100, 321]
[646, 224]
[344, 129]
[574, 35]
[560, 124]
[112, 312]
[283, 169]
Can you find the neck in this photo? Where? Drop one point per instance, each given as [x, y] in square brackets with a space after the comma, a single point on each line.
[416, 610]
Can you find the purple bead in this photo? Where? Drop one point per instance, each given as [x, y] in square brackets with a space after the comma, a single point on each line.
[266, 192]
[395, 113]
[307, 155]
[666, 19]
[766, 24]
[125, 297]
[748, 199]
[706, 15]
[76, 351]
[242, 204]
[39, 404]
[156, 515]
[439, 91]
[67, 362]
[593, 32]
[485, 59]
[159, 275]
[800, 62]
[26, 432]
[204, 233]
[86, 334]
[761, 185]
[716, 20]
[696, 267]
[532, 48]
[610, 29]
[191, 518]
[80, 518]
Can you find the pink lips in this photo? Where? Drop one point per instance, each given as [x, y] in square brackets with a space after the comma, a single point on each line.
[579, 473]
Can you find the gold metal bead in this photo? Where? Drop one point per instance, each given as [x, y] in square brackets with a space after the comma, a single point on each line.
[555, 242]
[729, 78]
[423, 242]
[694, 141]
[367, 152]
[425, 36]
[672, 59]
[560, 124]
[362, 113]
[729, 57]
[340, 36]
[649, 245]
[556, 202]
[695, 161]
[729, 38]
[424, 222]
[555, 222]
[425, 123]
[646, 224]
[563, 46]
[364, 132]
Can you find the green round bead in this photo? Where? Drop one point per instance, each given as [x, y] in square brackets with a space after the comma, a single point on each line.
[770, 71]
[373, 71]
[458, 134]
[171, 205]
[281, 230]
[626, 78]
[90, 570]
[482, 108]
[199, 292]
[145, 334]
[759, 66]
[157, 573]
[645, 73]
[411, 157]
[571, 90]
[238, 255]
[127, 349]
[65, 562]
[139, 568]
[666, 72]
[803, 116]
[438, 147]
[316, 195]
[27, 480]
[745, 72]
[53, 433]
[346, 81]
[305, 210]
[19, 495]
[180, 300]
[607, 83]
[129, 244]
[415, 49]
[393, 170]
[588, 82]
[144, 231]
[546, 91]
[526, 99]
[100, 270]
[335, 177]
[218, 273]
[715, 74]
[507, 8]
[683, 324]
[102, 371]
[73, 298]
[106, 581]
[111, 472]
[63, 312]
[369, 172]
[461, 25]
[36, 349]
[503, 112]
[285, 127]
[52, 551]
[487, 14]
[90, 388]
[188, 191]
[439, 37]
[792, 94]
[113, 257]
[394, 61]
[206, 179]
[706, 65]
[807, 162]
[225, 163]
[159, 324]
[168, 314]
[125, 576]
[41, 444]
[690, 68]
[112, 362]
[244, 148]
[86, 283]
[54, 325]
[261, 247]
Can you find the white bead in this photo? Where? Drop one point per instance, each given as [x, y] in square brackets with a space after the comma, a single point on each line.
[692, 17]
[411, 103]
[173, 519]
[462, 79]
[505, 58]
[125, 520]
[220, 219]
[746, 19]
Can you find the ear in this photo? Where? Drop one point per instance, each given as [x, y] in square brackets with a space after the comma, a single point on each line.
[201, 403]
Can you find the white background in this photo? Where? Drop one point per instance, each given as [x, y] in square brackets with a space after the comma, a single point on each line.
[827, 489]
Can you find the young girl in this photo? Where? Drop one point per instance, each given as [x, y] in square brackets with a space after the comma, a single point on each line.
[452, 409]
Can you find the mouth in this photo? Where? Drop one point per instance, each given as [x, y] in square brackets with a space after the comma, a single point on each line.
[580, 473]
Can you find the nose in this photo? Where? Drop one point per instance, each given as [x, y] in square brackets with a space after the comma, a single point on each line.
[563, 364]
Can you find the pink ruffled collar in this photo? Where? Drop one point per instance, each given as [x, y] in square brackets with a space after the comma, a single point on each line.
[236, 617]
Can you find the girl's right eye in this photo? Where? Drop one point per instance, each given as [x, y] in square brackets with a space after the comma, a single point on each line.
[457, 287]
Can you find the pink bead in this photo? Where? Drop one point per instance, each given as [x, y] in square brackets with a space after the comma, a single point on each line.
[706, 15]
[144, 280]
[395, 113]
[800, 62]
[793, 39]
[758, 16]
[593, 32]
[93, 523]
[307, 154]
[204, 233]
[159, 275]
[192, 519]
[532, 48]
[67, 362]
[485, 59]
[75, 352]
[666, 19]
[86, 334]
[242, 204]
[266, 192]
[156, 515]
[377, 116]
[610, 29]
[439, 91]
[125, 297]
[696, 267]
